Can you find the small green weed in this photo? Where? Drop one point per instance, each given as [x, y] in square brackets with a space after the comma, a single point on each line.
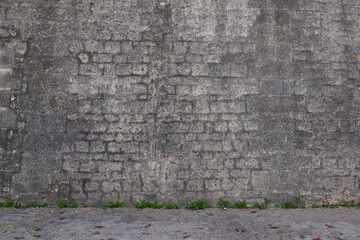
[348, 204]
[259, 206]
[198, 205]
[291, 205]
[35, 205]
[146, 204]
[143, 204]
[117, 204]
[240, 204]
[65, 204]
[225, 203]
[155, 205]
[9, 203]
[73, 203]
[172, 207]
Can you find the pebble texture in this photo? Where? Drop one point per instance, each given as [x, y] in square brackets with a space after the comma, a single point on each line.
[177, 101]
[214, 224]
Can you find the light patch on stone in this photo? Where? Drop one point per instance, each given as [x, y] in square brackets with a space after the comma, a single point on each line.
[198, 19]
[238, 24]
[140, 70]
[200, 90]
[84, 58]
[5, 72]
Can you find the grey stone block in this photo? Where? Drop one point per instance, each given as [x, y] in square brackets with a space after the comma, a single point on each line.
[9, 79]
[8, 119]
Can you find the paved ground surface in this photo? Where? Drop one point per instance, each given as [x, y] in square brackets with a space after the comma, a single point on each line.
[90, 223]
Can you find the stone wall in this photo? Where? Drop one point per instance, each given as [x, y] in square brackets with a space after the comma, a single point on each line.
[179, 100]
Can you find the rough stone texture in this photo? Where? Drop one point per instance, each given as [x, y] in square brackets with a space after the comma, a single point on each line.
[179, 100]
[124, 224]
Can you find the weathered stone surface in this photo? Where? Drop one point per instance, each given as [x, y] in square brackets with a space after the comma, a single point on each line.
[179, 100]
[8, 119]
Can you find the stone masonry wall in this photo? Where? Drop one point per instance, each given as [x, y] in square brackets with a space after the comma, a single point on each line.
[179, 100]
